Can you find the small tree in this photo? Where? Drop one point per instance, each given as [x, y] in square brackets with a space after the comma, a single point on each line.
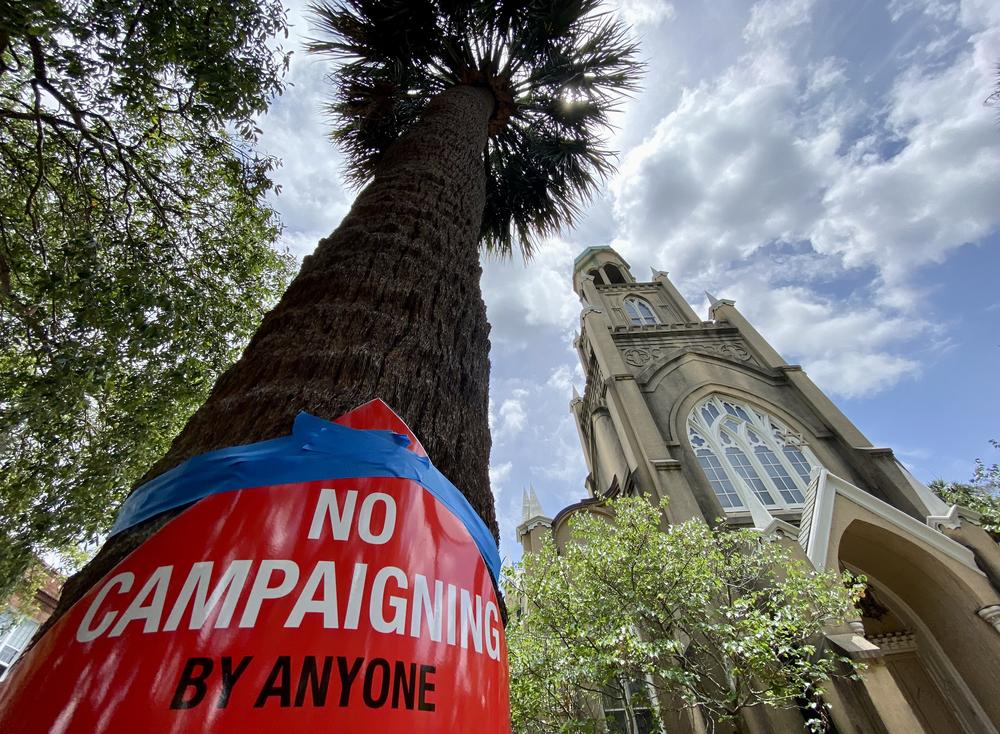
[722, 620]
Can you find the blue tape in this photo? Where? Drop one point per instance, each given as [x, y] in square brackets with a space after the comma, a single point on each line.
[315, 450]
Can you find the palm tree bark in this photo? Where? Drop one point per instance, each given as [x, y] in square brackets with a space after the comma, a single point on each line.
[387, 306]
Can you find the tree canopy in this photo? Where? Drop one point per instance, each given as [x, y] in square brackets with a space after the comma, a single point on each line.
[716, 619]
[556, 68]
[135, 242]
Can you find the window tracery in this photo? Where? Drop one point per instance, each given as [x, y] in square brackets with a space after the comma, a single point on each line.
[640, 313]
[742, 449]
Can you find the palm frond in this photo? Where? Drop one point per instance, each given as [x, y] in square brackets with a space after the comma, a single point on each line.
[565, 65]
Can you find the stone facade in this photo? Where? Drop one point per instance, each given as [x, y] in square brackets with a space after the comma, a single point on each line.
[708, 414]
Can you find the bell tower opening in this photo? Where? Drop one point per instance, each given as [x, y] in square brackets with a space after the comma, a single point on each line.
[603, 266]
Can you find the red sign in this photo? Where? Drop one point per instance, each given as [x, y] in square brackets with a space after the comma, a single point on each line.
[346, 605]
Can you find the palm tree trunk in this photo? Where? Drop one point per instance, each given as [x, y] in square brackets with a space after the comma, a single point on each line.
[387, 306]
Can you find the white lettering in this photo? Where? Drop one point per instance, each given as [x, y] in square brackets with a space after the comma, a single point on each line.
[87, 633]
[324, 574]
[365, 519]
[451, 614]
[262, 588]
[422, 605]
[398, 622]
[327, 507]
[195, 592]
[150, 613]
[477, 621]
[493, 623]
[356, 596]
[396, 602]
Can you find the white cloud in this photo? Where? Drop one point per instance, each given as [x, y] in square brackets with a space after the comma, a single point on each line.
[935, 9]
[564, 460]
[767, 156]
[727, 171]
[845, 347]
[828, 74]
[646, 12]
[979, 13]
[313, 198]
[499, 474]
[937, 194]
[771, 17]
[562, 379]
[858, 374]
[757, 156]
[511, 416]
[535, 293]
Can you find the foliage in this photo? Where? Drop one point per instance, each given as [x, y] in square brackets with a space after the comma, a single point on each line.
[980, 494]
[719, 619]
[135, 243]
[556, 69]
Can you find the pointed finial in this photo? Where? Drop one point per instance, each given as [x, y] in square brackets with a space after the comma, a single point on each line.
[719, 301]
[576, 395]
[657, 273]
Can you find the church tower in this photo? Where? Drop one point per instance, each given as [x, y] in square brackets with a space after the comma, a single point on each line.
[705, 412]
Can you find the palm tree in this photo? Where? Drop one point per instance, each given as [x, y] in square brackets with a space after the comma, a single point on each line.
[469, 124]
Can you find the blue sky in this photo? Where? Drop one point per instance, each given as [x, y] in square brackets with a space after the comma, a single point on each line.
[828, 164]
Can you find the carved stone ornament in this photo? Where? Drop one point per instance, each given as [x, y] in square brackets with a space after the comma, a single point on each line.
[637, 357]
[640, 356]
[890, 642]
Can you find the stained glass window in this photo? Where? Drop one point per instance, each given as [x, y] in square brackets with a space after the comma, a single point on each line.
[761, 454]
[745, 469]
[798, 461]
[779, 475]
[718, 478]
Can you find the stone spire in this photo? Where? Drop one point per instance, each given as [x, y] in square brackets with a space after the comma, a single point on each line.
[530, 506]
[534, 524]
[716, 303]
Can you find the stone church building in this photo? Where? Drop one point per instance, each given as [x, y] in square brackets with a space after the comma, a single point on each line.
[708, 414]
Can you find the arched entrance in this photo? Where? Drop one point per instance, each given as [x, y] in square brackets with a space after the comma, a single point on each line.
[922, 614]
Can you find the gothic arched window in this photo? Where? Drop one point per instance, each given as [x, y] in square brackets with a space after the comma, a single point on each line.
[596, 275]
[640, 313]
[742, 449]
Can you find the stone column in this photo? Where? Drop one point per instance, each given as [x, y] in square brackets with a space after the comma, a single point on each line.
[610, 457]
[880, 687]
